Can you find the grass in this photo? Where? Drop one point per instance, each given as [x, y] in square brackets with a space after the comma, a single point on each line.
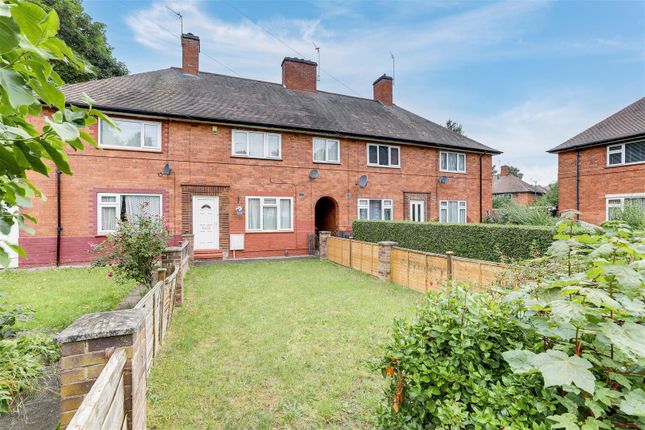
[59, 296]
[282, 344]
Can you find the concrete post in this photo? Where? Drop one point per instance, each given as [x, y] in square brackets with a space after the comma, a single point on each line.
[323, 246]
[86, 347]
[385, 260]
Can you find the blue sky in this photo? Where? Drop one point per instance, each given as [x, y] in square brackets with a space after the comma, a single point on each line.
[521, 76]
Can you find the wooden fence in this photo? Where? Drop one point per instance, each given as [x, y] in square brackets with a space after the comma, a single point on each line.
[420, 271]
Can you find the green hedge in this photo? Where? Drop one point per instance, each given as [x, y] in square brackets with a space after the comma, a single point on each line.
[481, 241]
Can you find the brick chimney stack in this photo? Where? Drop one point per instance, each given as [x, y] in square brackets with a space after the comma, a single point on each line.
[190, 53]
[383, 90]
[299, 74]
[503, 171]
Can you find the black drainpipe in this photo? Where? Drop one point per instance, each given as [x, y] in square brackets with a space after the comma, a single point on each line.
[59, 228]
[577, 183]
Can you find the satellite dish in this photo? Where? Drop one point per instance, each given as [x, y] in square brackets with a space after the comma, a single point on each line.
[443, 179]
[314, 173]
[362, 181]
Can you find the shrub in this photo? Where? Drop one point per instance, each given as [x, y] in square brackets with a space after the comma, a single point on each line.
[445, 369]
[514, 213]
[134, 249]
[488, 242]
[590, 315]
[632, 215]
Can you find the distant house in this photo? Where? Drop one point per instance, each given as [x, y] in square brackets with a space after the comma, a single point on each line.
[602, 169]
[508, 185]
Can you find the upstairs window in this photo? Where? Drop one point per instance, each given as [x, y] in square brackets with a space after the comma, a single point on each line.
[452, 162]
[114, 207]
[326, 150]
[626, 153]
[452, 211]
[375, 209]
[383, 155]
[255, 144]
[133, 134]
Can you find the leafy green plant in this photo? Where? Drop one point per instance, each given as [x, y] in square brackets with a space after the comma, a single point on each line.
[9, 316]
[28, 45]
[590, 316]
[490, 242]
[445, 369]
[634, 215]
[514, 213]
[550, 197]
[134, 249]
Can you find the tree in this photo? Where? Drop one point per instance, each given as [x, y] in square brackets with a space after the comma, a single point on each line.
[28, 44]
[515, 171]
[495, 172]
[550, 197]
[454, 126]
[87, 39]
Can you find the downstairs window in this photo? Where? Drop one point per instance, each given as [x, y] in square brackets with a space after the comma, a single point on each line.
[112, 207]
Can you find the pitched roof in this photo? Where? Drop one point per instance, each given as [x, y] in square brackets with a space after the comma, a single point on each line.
[512, 184]
[628, 122]
[213, 97]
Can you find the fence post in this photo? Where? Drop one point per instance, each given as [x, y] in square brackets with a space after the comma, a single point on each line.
[86, 347]
[161, 273]
[189, 238]
[171, 258]
[324, 236]
[385, 260]
[450, 274]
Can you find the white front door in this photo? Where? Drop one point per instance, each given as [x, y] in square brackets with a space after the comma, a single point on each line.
[417, 210]
[206, 222]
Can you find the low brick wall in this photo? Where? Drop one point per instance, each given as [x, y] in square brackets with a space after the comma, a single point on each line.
[107, 356]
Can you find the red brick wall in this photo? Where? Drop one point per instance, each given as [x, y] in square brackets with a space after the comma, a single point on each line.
[596, 181]
[383, 90]
[298, 75]
[200, 158]
[524, 198]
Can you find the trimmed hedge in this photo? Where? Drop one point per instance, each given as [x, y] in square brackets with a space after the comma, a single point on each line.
[490, 242]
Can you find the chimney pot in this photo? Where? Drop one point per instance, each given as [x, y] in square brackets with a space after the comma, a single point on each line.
[190, 53]
[383, 90]
[299, 74]
[504, 171]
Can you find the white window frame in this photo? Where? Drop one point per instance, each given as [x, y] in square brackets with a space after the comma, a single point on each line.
[622, 198]
[461, 205]
[327, 142]
[262, 205]
[620, 150]
[389, 155]
[458, 154]
[141, 148]
[422, 210]
[365, 204]
[265, 155]
[117, 205]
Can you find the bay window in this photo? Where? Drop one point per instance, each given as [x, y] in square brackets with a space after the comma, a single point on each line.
[256, 144]
[269, 214]
[130, 134]
[383, 155]
[626, 153]
[452, 162]
[375, 209]
[452, 211]
[114, 207]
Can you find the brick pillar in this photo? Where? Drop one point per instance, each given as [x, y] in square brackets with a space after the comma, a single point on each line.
[385, 259]
[191, 251]
[323, 236]
[88, 344]
[171, 258]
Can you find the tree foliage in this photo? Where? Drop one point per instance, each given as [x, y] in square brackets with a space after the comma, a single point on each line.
[550, 197]
[28, 45]
[454, 126]
[515, 171]
[87, 39]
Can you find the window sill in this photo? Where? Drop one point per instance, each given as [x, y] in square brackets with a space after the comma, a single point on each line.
[255, 158]
[626, 164]
[337, 163]
[268, 231]
[452, 171]
[124, 148]
[385, 167]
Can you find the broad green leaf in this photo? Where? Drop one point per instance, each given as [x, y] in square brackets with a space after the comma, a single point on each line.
[29, 17]
[14, 87]
[565, 421]
[4, 256]
[635, 306]
[559, 369]
[65, 130]
[628, 278]
[629, 338]
[634, 403]
[519, 360]
[58, 156]
[568, 310]
[593, 424]
[48, 93]
[8, 34]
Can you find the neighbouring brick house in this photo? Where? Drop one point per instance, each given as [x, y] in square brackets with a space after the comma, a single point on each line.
[510, 186]
[603, 168]
[252, 168]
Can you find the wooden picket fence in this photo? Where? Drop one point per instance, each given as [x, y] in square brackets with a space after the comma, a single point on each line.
[420, 271]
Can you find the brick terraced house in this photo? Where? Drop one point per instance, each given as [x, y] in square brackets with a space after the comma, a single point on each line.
[510, 186]
[602, 169]
[252, 168]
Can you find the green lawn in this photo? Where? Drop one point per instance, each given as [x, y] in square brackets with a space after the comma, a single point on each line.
[59, 296]
[281, 344]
